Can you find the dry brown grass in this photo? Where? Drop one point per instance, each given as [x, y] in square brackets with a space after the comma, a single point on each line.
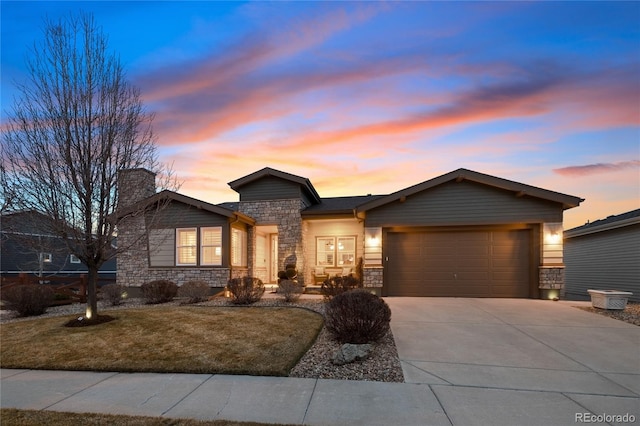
[227, 340]
[12, 417]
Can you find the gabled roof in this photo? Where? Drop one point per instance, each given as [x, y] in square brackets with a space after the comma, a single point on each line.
[519, 189]
[611, 222]
[167, 195]
[268, 171]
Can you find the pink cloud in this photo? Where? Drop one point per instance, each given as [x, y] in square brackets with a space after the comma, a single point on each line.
[590, 169]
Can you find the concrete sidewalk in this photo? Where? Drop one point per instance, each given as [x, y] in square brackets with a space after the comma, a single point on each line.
[466, 362]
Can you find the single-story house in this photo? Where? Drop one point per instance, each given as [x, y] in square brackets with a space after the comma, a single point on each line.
[604, 255]
[464, 234]
[28, 246]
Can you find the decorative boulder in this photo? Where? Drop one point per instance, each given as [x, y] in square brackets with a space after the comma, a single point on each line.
[349, 353]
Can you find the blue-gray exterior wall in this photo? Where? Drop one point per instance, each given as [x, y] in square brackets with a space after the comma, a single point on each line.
[464, 203]
[606, 260]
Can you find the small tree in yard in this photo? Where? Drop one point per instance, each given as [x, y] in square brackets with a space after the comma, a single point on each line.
[75, 124]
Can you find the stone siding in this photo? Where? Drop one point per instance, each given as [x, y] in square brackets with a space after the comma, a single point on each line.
[214, 277]
[373, 276]
[286, 215]
[551, 277]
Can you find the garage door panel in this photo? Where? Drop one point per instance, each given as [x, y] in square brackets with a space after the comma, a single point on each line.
[458, 264]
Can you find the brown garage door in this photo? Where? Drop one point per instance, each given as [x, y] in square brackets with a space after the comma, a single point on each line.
[458, 264]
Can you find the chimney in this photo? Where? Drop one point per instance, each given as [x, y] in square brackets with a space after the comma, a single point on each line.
[135, 185]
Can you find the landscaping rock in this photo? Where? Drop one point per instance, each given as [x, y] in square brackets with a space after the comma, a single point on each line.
[349, 353]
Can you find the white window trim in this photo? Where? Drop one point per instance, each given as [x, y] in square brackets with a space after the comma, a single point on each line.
[74, 259]
[178, 230]
[202, 245]
[243, 254]
[46, 257]
[335, 250]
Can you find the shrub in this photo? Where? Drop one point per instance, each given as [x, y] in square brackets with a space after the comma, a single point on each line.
[245, 290]
[28, 300]
[112, 294]
[290, 273]
[357, 316]
[159, 291]
[194, 291]
[334, 286]
[290, 290]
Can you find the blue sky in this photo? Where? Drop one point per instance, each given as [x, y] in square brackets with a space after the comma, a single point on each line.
[371, 97]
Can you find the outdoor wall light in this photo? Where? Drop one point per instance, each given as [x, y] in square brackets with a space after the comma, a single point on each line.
[88, 313]
[553, 233]
[373, 237]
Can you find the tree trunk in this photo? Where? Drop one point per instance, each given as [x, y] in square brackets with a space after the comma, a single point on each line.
[92, 292]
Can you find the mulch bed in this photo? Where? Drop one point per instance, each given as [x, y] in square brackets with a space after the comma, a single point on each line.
[84, 322]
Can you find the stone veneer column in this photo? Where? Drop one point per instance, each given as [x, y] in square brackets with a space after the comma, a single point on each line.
[551, 281]
[373, 278]
[286, 215]
[134, 185]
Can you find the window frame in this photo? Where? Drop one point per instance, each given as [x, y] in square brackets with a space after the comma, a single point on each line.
[333, 243]
[217, 248]
[194, 246]
[243, 248]
[74, 259]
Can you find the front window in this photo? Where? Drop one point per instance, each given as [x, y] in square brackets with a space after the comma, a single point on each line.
[211, 246]
[238, 247]
[186, 246]
[335, 251]
[73, 258]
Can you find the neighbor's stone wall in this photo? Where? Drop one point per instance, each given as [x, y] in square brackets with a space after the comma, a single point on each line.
[286, 215]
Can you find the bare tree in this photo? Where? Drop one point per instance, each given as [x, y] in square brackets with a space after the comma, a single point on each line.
[75, 123]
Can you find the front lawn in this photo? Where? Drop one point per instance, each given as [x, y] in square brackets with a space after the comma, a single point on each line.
[15, 417]
[176, 339]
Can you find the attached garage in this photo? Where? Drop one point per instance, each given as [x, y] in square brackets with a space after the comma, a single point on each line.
[465, 234]
[471, 263]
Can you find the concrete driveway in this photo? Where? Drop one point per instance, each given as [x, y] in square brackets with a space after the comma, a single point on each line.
[540, 361]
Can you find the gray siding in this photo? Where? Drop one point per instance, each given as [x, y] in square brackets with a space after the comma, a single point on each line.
[606, 260]
[464, 203]
[162, 248]
[270, 188]
[180, 215]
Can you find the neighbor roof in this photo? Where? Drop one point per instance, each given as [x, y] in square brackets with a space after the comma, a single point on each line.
[611, 222]
[520, 189]
[268, 171]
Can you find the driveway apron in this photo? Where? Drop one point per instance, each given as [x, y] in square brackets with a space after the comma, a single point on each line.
[538, 361]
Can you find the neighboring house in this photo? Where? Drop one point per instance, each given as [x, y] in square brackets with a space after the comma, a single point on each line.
[463, 234]
[604, 255]
[28, 246]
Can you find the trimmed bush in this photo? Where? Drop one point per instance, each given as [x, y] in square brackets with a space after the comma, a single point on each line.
[334, 286]
[245, 290]
[28, 300]
[112, 294]
[159, 291]
[290, 290]
[194, 291]
[358, 317]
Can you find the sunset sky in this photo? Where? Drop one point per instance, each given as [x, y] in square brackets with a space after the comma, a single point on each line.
[372, 97]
